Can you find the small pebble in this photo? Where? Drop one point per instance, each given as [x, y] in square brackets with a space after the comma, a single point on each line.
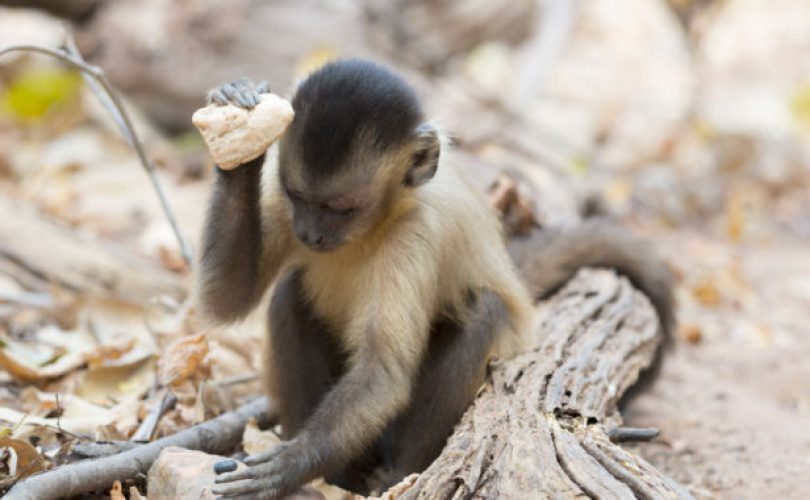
[225, 466]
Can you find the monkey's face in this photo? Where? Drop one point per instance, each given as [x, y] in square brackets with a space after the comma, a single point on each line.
[342, 197]
[326, 222]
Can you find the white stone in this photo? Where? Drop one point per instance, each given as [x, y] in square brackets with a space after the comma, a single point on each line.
[183, 474]
[235, 135]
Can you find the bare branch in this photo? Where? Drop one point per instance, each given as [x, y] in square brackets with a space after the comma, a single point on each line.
[115, 106]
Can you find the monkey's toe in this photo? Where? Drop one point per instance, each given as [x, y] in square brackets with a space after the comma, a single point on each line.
[263, 87]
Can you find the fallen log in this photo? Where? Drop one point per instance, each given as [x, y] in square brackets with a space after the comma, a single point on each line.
[540, 427]
[216, 436]
[58, 254]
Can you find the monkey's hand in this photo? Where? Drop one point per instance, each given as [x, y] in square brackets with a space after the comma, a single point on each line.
[242, 93]
[241, 121]
[270, 475]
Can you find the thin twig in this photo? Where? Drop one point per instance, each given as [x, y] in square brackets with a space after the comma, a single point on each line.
[216, 436]
[146, 431]
[632, 434]
[116, 107]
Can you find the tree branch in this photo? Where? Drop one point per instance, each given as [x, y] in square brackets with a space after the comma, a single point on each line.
[219, 435]
[115, 106]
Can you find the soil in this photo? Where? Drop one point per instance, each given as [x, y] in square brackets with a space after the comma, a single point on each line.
[734, 409]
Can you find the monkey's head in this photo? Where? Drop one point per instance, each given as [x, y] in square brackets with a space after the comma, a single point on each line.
[357, 143]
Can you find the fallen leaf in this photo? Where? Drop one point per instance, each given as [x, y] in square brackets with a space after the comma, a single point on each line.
[22, 371]
[134, 494]
[105, 384]
[172, 260]
[707, 293]
[691, 333]
[28, 460]
[40, 91]
[255, 440]
[117, 491]
[185, 359]
[106, 355]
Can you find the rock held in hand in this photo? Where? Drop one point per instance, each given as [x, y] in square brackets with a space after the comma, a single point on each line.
[235, 135]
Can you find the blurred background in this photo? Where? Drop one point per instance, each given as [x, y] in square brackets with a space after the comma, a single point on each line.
[687, 119]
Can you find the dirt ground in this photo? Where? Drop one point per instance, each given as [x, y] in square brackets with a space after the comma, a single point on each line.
[734, 410]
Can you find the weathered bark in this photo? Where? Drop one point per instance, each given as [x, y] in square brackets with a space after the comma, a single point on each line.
[58, 254]
[539, 428]
[216, 436]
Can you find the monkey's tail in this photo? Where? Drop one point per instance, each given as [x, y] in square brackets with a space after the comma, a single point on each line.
[548, 258]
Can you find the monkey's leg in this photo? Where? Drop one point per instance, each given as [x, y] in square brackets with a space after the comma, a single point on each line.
[304, 358]
[305, 363]
[452, 373]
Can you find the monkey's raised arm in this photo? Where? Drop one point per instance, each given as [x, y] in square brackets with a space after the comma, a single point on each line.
[244, 243]
[242, 248]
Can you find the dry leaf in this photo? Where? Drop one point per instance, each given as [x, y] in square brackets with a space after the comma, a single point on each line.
[24, 372]
[516, 211]
[186, 359]
[172, 260]
[117, 491]
[736, 217]
[106, 353]
[105, 384]
[134, 494]
[256, 441]
[28, 460]
[691, 333]
[707, 293]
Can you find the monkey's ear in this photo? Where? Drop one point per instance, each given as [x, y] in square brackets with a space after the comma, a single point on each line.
[425, 159]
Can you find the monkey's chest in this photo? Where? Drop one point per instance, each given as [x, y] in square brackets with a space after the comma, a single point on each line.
[336, 294]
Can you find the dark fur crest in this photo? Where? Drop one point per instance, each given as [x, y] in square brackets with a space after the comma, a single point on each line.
[343, 98]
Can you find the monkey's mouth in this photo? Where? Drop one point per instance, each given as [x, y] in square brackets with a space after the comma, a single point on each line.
[323, 246]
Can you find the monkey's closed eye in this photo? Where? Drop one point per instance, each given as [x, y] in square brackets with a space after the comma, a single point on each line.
[339, 210]
[294, 195]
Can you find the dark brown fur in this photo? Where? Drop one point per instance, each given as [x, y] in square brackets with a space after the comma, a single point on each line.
[307, 362]
[547, 258]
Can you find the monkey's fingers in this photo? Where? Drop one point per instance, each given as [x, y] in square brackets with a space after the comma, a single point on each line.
[217, 97]
[263, 87]
[246, 90]
[256, 489]
[235, 95]
[263, 457]
[229, 477]
[262, 486]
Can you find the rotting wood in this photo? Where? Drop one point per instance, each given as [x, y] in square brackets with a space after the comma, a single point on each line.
[540, 427]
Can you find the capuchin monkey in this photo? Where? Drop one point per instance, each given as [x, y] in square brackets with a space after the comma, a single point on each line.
[391, 284]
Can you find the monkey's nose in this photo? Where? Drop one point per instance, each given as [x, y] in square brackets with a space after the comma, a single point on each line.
[314, 240]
